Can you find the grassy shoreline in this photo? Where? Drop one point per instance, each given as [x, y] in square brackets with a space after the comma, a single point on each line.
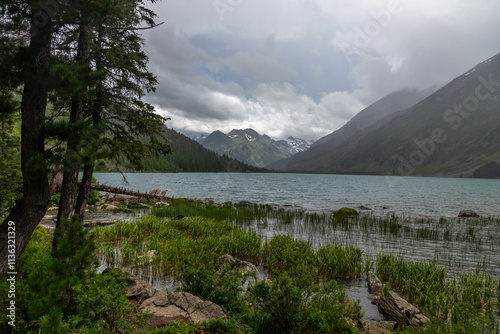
[194, 234]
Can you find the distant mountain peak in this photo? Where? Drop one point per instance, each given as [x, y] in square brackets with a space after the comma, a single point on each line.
[249, 146]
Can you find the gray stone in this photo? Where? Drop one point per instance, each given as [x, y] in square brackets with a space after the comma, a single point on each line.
[169, 307]
[468, 214]
[243, 267]
[101, 222]
[381, 327]
[374, 284]
[181, 306]
[138, 289]
[109, 207]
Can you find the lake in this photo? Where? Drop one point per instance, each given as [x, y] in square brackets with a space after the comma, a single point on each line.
[459, 245]
[407, 196]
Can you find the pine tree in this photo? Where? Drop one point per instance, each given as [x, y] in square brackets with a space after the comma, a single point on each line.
[87, 57]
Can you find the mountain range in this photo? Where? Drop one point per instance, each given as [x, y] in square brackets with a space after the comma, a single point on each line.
[454, 131]
[252, 148]
[187, 156]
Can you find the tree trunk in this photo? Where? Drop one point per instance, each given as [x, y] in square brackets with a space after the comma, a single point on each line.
[28, 212]
[83, 192]
[73, 159]
[88, 170]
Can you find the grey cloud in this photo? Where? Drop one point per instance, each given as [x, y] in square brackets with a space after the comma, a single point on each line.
[277, 66]
[259, 67]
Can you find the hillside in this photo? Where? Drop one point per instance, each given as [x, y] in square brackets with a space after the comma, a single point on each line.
[252, 148]
[189, 156]
[323, 149]
[453, 132]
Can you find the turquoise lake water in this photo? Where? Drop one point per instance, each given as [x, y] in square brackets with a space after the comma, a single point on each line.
[409, 196]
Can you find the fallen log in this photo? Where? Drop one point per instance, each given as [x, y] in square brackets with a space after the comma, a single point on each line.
[153, 194]
[395, 308]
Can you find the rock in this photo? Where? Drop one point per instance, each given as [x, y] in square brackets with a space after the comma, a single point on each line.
[101, 222]
[161, 204]
[381, 327]
[243, 267]
[138, 205]
[180, 306]
[138, 289]
[346, 212]
[468, 214]
[364, 208]
[385, 207]
[50, 217]
[169, 307]
[179, 217]
[53, 208]
[149, 255]
[109, 207]
[198, 310]
[114, 208]
[374, 284]
[395, 308]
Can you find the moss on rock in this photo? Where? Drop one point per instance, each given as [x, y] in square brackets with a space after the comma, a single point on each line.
[346, 212]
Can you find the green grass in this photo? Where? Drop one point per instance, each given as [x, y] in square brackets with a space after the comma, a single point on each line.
[195, 239]
[469, 302]
[209, 230]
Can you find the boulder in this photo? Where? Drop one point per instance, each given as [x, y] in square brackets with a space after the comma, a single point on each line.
[381, 327]
[346, 212]
[395, 308]
[114, 208]
[138, 289]
[374, 284]
[165, 307]
[181, 306]
[108, 207]
[161, 204]
[138, 205]
[364, 208]
[468, 214]
[385, 207]
[243, 267]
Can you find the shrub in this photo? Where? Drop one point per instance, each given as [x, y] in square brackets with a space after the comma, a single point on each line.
[296, 304]
[222, 286]
[285, 253]
[62, 293]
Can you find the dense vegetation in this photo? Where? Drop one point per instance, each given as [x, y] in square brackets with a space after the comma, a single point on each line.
[189, 249]
[301, 290]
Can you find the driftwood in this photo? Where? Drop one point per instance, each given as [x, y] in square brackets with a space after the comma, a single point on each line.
[397, 309]
[153, 194]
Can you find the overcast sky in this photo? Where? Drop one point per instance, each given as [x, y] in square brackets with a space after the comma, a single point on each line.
[303, 68]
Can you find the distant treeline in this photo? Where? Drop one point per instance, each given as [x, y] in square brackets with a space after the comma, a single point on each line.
[188, 156]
